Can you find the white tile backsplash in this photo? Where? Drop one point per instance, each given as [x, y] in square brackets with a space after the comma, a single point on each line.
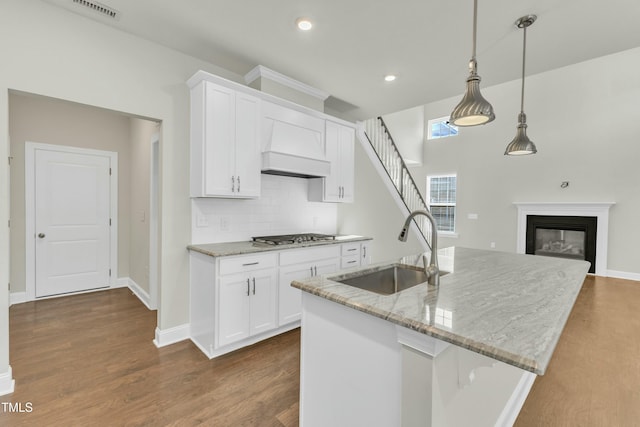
[282, 208]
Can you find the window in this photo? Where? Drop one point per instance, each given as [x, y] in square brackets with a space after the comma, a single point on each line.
[441, 128]
[441, 196]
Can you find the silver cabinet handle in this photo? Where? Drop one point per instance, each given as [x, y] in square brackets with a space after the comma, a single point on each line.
[311, 268]
[351, 250]
[364, 252]
[315, 270]
[41, 235]
[251, 263]
[351, 262]
[233, 184]
[254, 285]
[247, 287]
[238, 184]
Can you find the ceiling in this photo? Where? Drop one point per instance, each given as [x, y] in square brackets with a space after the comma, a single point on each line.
[354, 43]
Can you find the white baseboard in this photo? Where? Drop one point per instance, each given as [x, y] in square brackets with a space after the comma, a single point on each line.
[17, 298]
[7, 383]
[623, 275]
[172, 335]
[516, 401]
[121, 282]
[137, 290]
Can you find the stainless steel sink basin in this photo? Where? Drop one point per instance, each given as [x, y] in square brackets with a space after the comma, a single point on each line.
[387, 281]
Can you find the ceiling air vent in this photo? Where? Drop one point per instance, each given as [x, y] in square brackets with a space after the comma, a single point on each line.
[100, 8]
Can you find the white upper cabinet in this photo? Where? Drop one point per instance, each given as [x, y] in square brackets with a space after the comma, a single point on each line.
[237, 133]
[225, 142]
[339, 148]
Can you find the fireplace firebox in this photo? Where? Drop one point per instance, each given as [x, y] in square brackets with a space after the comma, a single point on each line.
[571, 237]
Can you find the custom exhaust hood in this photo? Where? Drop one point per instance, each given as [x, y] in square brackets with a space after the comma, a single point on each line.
[293, 144]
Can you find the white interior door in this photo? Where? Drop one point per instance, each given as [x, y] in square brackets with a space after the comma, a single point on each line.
[72, 221]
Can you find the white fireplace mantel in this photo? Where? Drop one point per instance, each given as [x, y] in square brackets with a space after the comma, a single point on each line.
[598, 209]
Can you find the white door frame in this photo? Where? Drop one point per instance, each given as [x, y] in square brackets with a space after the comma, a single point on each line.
[30, 211]
[154, 212]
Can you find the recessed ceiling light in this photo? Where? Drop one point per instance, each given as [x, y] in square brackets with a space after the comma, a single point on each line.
[389, 78]
[304, 24]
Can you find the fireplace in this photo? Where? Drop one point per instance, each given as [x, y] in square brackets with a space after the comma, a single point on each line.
[554, 237]
[572, 237]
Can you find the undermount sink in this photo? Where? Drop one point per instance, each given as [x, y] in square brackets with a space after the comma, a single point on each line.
[387, 281]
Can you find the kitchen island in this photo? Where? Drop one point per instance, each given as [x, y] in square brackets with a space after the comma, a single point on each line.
[463, 353]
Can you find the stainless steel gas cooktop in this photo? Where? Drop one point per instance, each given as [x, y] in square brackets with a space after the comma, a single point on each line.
[288, 239]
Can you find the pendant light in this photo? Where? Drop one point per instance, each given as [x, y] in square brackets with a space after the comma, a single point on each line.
[521, 144]
[473, 109]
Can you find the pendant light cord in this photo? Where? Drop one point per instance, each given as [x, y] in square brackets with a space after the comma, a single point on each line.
[524, 54]
[475, 28]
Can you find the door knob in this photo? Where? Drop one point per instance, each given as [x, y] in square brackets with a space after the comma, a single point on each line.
[41, 235]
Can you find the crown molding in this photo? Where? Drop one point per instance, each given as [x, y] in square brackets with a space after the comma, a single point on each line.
[262, 71]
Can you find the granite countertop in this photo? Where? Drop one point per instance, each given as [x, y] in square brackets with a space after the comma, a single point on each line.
[249, 247]
[510, 307]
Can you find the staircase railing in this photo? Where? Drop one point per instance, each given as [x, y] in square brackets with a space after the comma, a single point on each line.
[387, 152]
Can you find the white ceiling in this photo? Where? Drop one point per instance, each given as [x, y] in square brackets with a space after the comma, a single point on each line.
[354, 43]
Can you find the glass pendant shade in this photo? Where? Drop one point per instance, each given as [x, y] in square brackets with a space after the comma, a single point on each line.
[521, 144]
[473, 109]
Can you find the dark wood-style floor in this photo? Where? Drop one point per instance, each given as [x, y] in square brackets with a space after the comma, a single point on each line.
[89, 360]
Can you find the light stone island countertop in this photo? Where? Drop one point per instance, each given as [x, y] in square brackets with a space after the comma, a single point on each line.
[510, 307]
[249, 247]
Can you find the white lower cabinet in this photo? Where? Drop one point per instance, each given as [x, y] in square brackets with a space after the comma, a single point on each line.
[247, 296]
[299, 264]
[247, 305]
[240, 300]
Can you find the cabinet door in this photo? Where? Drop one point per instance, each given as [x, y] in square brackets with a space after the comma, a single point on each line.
[219, 140]
[365, 255]
[332, 190]
[339, 149]
[263, 301]
[290, 298]
[233, 308]
[347, 162]
[247, 146]
[327, 266]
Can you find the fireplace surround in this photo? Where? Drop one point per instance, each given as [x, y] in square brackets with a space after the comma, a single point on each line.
[599, 210]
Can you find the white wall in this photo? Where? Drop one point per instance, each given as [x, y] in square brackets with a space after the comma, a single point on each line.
[584, 121]
[408, 130]
[375, 214]
[282, 208]
[52, 52]
[140, 137]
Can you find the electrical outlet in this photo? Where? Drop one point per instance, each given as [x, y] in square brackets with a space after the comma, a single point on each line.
[493, 245]
[315, 221]
[224, 223]
[472, 216]
[201, 220]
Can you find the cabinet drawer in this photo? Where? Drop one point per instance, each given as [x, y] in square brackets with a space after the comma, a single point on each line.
[239, 264]
[349, 249]
[350, 261]
[296, 256]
